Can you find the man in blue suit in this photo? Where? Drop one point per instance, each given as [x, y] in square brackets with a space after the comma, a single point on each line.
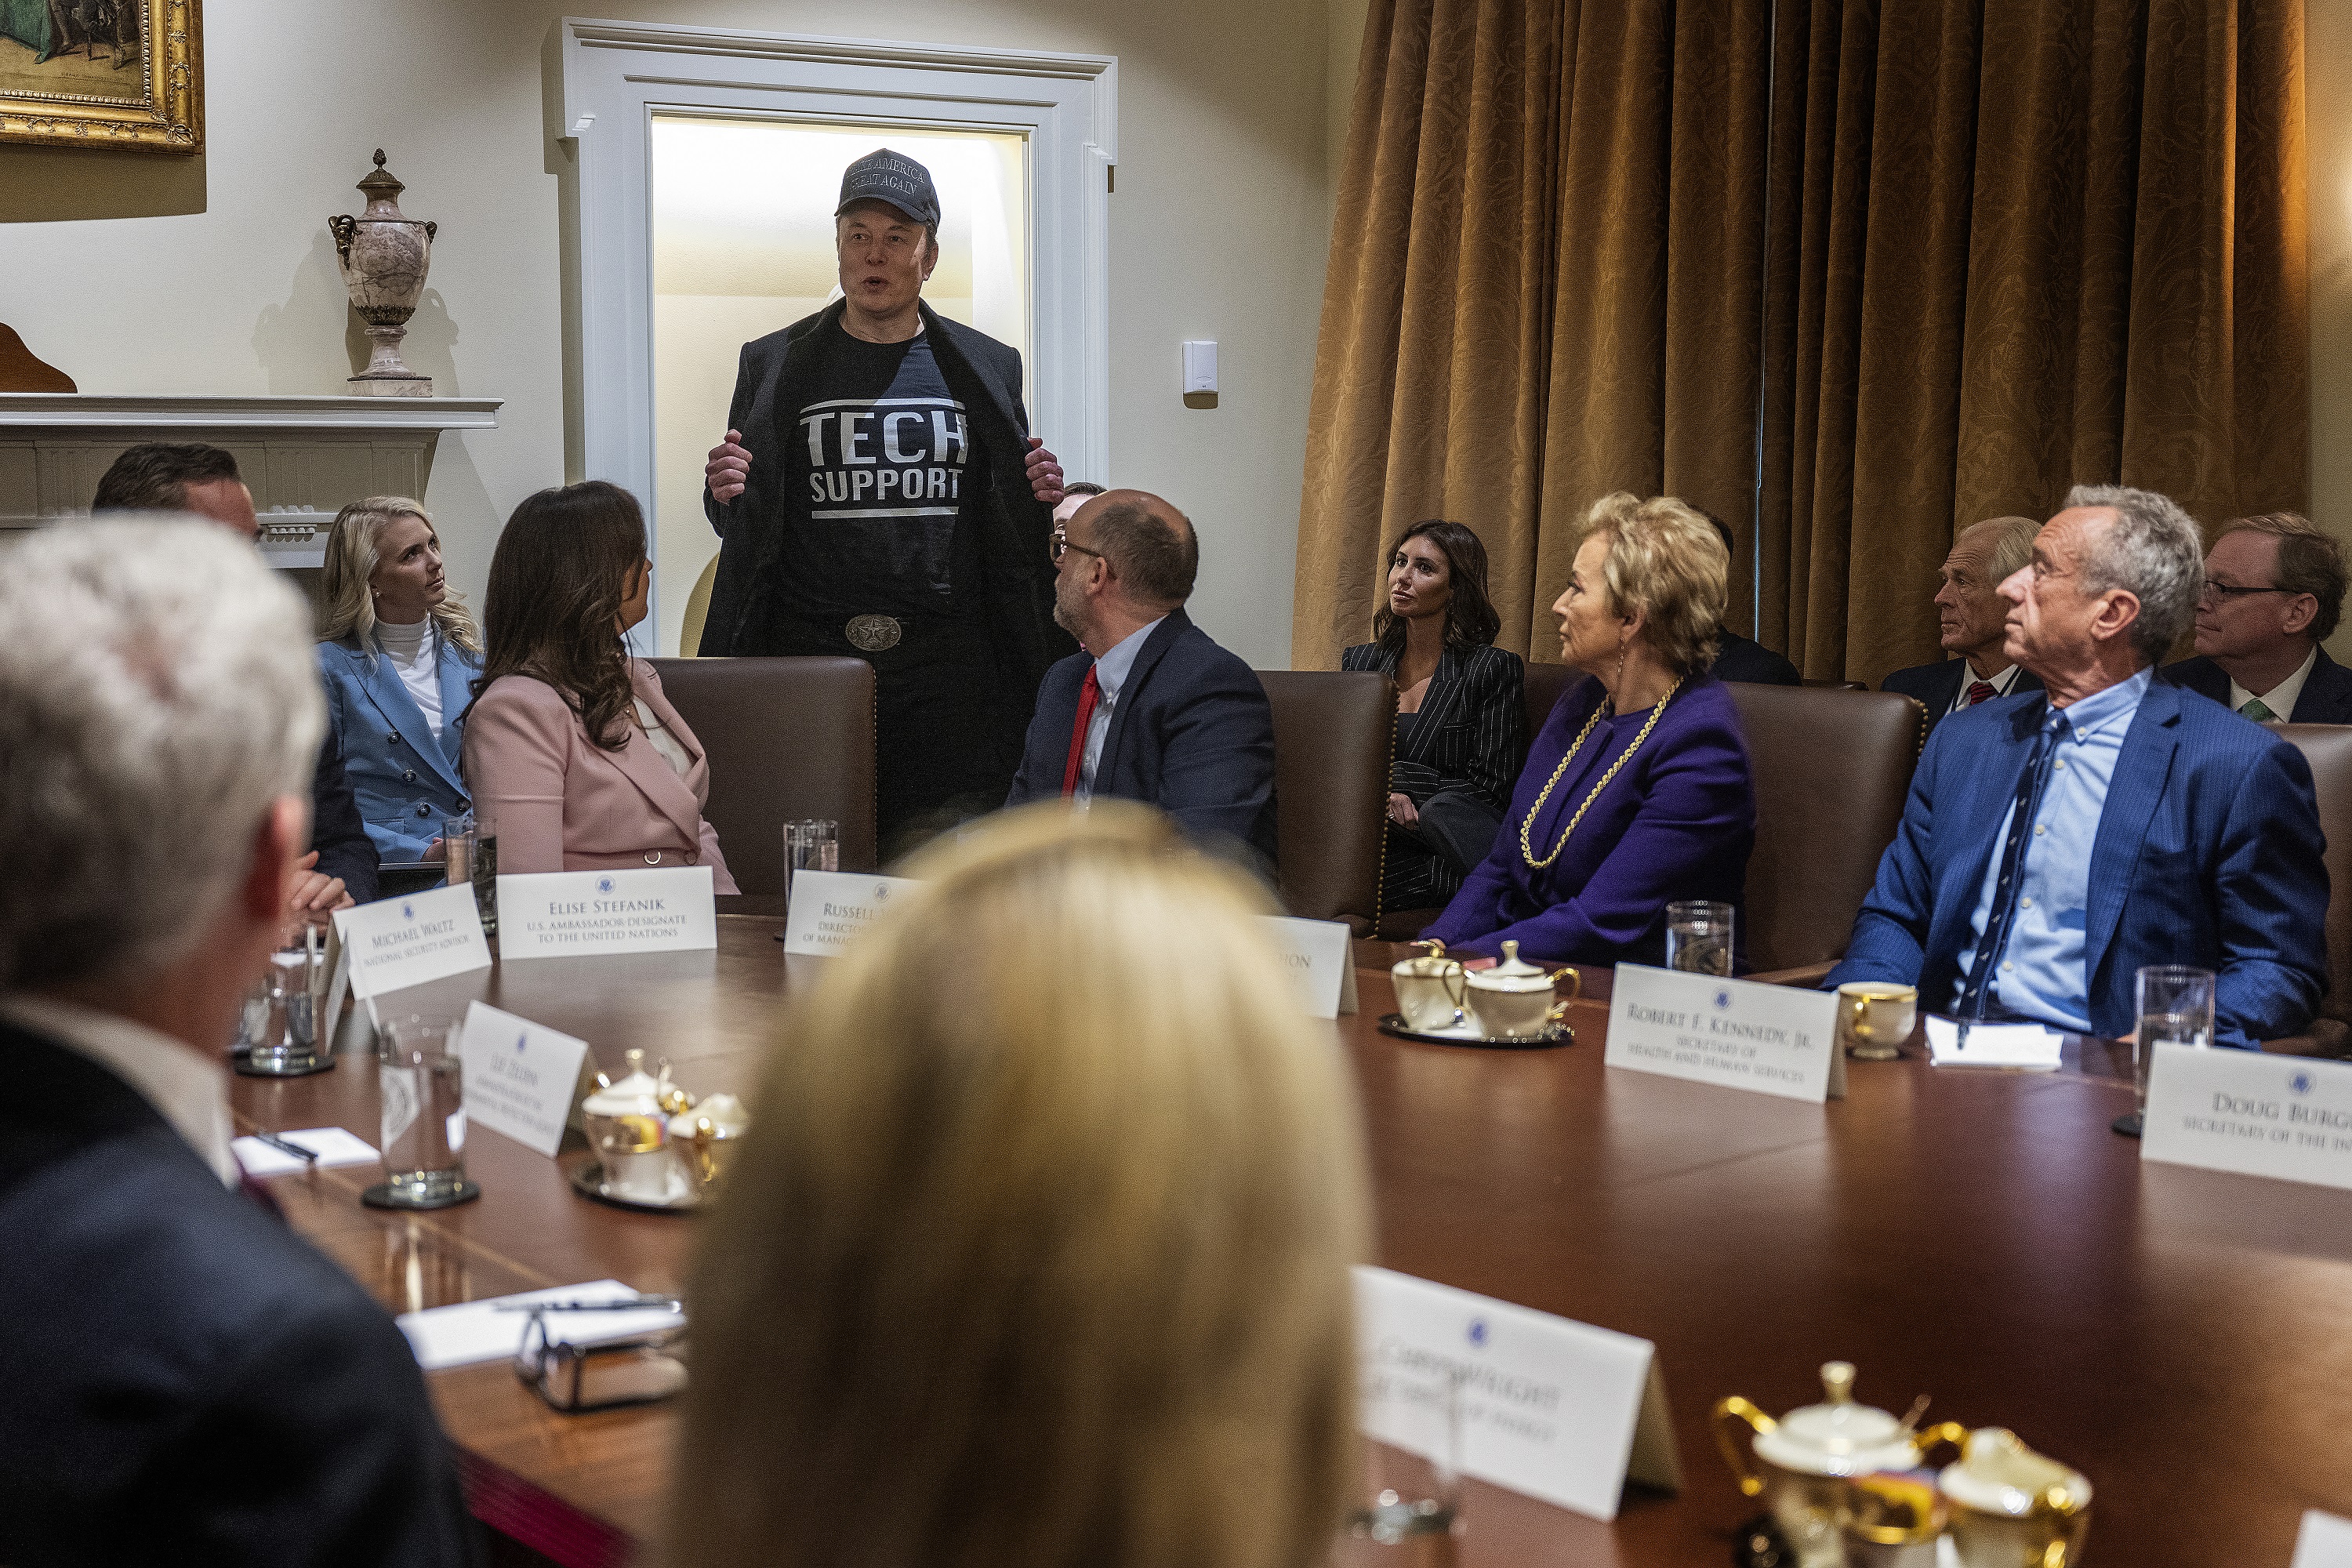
[2054, 845]
[1151, 709]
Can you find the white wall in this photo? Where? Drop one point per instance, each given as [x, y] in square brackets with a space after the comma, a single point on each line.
[134, 273]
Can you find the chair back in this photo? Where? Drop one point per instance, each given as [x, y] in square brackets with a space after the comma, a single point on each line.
[788, 740]
[1541, 691]
[1334, 738]
[698, 610]
[1832, 769]
[2328, 748]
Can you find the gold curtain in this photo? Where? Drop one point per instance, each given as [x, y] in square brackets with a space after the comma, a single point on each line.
[2009, 246]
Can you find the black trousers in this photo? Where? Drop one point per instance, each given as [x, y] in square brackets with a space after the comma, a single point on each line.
[947, 738]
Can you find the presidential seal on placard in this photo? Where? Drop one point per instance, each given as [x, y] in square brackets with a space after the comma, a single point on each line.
[872, 634]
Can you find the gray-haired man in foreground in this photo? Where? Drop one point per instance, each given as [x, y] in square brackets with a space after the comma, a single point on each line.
[187, 1381]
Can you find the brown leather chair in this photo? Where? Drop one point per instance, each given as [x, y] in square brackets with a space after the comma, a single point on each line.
[788, 738]
[2328, 748]
[1334, 737]
[1832, 769]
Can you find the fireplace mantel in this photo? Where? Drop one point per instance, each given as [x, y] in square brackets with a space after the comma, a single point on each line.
[304, 457]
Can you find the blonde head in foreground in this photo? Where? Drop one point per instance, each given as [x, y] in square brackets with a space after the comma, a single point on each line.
[1038, 1256]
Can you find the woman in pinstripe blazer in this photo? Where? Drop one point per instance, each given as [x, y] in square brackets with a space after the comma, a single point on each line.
[1461, 722]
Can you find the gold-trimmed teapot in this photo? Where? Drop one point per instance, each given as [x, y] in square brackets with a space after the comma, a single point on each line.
[1430, 991]
[2011, 1507]
[1804, 1465]
[1516, 1001]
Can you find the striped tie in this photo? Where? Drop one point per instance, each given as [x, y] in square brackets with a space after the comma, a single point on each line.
[1979, 691]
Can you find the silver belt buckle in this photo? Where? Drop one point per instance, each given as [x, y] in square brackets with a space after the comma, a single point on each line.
[872, 634]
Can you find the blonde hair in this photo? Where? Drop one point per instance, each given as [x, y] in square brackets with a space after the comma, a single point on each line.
[350, 566]
[1665, 563]
[1038, 1256]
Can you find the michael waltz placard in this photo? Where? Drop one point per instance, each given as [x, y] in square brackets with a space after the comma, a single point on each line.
[1768, 1039]
[409, 939]
[565, 914]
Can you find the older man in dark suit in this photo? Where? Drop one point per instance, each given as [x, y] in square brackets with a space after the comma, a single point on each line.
[1150, 709]
[185, 1380]
[1969, 616]
[2274, 592]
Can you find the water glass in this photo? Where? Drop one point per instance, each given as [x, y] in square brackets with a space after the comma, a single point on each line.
[279, 1036]
[471, 845]
[1411, 1515]
[1698, 937]
[811, 845]
[424, 1117]
[2176, 1008]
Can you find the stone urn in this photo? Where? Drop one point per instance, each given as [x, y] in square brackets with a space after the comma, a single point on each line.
[385, 256]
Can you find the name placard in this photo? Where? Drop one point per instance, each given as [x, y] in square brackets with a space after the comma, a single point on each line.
[2325, 1542]
[407, 940]
[830, 908]
[1545, 1405]
[2285, 1117]
[522, 1078]
[565, 914]
[1736, 1034]
[1318, 952]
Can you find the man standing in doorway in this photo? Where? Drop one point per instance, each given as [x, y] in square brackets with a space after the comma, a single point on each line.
[879, 496]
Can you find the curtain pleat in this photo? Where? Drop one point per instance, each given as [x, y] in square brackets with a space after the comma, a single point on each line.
[1977, 250]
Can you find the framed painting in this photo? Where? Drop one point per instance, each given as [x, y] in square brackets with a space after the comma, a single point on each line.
[103, 73]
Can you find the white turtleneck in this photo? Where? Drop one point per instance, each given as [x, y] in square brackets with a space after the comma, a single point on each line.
[416, 652]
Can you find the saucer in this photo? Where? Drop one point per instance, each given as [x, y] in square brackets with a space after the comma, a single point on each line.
[588, 1181]
[1560, 1033]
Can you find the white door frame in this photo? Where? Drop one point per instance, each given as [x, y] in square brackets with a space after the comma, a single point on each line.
[617, 75]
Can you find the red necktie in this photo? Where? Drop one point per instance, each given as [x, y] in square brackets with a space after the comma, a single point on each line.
[1089, 695]
[1979, 691]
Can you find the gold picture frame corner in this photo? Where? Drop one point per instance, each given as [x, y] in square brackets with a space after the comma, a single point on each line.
[175, 81]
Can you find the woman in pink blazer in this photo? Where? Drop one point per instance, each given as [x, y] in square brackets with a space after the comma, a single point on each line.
[575, 757]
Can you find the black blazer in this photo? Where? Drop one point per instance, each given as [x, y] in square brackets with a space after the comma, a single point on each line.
[185, 1380]
[1014, 526]
[337, 831]
[1471, 733]
[1192, 733]
[2325, 699]
[1744, 658]
[1935, 686]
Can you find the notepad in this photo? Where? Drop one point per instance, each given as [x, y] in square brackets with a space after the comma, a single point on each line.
[477, 1330]
[1993, 1046]
[331, 1144]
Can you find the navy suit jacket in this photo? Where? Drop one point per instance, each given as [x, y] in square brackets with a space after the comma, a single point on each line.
[187, 1381]
[406, 783]
[1192, 733]
[337, 831]
[1934, 686]
[2327, 697]
[2207, 853]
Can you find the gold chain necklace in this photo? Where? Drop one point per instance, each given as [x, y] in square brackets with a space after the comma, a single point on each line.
[1526, 850]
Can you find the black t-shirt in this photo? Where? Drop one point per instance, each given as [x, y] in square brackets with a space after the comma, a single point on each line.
[880, 465]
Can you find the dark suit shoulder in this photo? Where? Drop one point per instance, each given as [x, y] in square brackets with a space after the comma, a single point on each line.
[2326, 694]
[1485, 665]
[2198, 675]
[1366, 655]
[1745, 660]
[1918, 680]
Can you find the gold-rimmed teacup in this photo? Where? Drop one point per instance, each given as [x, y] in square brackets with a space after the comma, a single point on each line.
[1876, 1016]
[1429, 988]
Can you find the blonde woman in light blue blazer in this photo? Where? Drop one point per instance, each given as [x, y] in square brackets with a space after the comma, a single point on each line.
[398, 656]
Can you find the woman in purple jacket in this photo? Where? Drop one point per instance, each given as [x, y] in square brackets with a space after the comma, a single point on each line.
[1636, 791]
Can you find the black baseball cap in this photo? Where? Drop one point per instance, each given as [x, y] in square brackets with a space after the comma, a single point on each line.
[883, 175]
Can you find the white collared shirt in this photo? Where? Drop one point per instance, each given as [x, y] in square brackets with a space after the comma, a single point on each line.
[2280, 698]
[1111, 674]
[2003, 685]
[187, 1091]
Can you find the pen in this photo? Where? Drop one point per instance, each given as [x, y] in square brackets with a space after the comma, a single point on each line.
[619, 1304]
[288, 1146]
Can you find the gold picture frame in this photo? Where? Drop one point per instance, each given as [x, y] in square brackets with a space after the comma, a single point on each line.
[103, 73]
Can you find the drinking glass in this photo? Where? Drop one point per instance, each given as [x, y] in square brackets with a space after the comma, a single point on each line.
[811, 845]
[1411, 1515]
[470, 842]
[1698, 937]
[424, 1117]
[2176, 1008]
[279, 1036]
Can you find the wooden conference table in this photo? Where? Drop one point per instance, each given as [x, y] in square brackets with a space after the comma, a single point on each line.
[2182, 1337]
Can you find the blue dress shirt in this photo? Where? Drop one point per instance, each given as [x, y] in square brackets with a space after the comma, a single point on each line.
[2042, 970]
[1111, 674]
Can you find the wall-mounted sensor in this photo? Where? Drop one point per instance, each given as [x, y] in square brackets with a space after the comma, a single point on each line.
[1201, 367]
